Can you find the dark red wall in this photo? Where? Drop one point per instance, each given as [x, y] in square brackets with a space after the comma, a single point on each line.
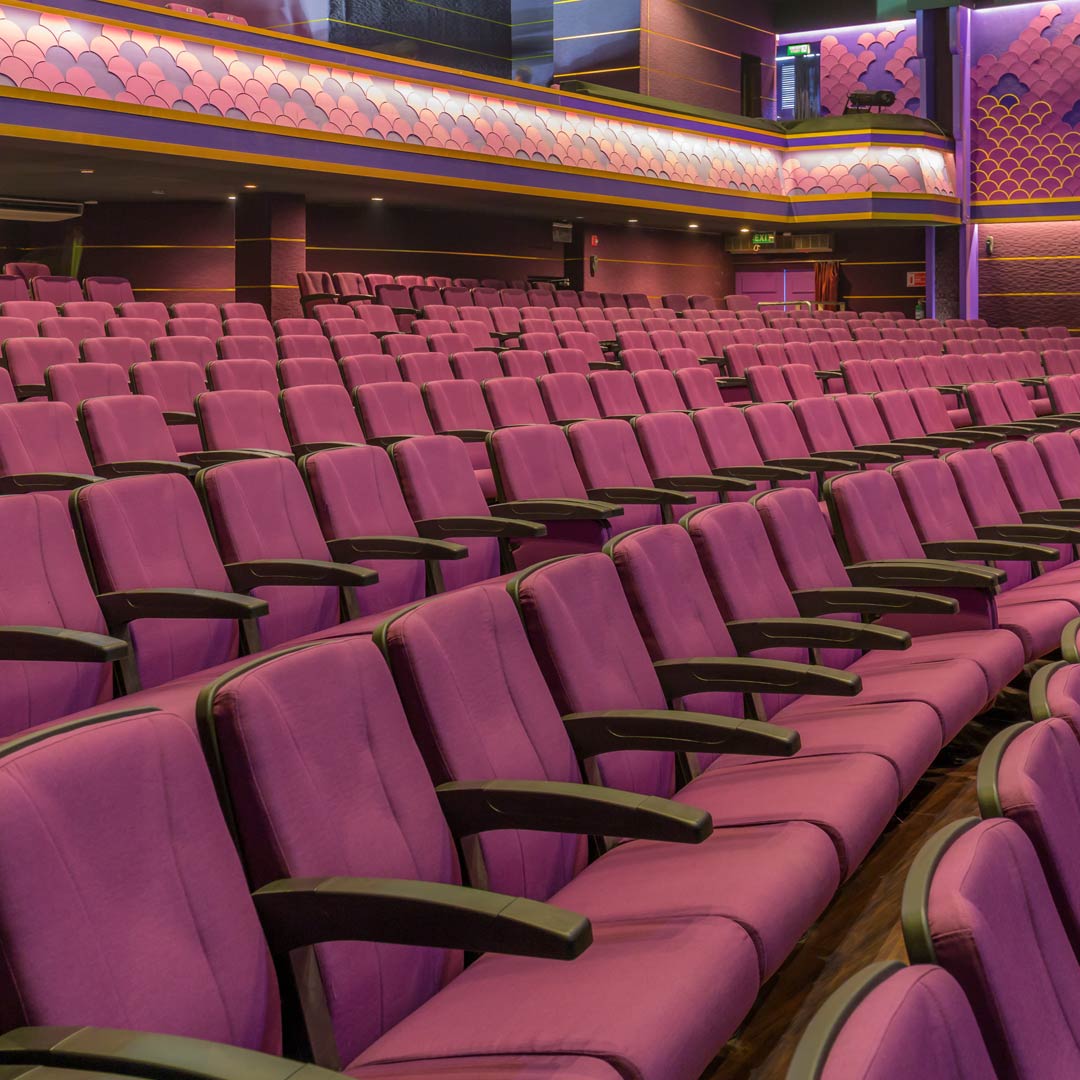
[1033, 277]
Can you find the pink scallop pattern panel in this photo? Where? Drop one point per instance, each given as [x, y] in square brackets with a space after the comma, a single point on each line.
[1026, 112]
[884, 58]
[46, 52]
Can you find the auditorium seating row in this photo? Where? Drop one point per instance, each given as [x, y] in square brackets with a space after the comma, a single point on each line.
[991, 921]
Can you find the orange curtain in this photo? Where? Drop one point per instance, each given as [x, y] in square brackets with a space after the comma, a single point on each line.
[827, 283]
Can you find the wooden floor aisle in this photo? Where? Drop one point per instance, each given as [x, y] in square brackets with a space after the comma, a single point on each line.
[863, 924]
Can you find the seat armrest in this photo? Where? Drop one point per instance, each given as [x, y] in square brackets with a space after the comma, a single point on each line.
[384, 442]
[205, 458]
[1066, 516]
[816, 464]
[112, 1052]
[297, 912]
[503, 528]
[469, 435]
[351, 548]
[703, 483]
[20, 483]
[983, 431]
[1068, 504]
[257, 573]
[860, 456]
[604, 365]
[900, 446]
[989, 548]
[762, 472]
[303, 449]
[669, 729]
[753, 634]
[640, 496]
[751, 675]
[176, 418]
[852, 600]
[404, 311]
[731, 382]
[944, 442]
[113, 469]
[557, 510]
[354, 298]
[1031, 533]
[59, 643]
[584, 809]
[927, 574]
[121, 608]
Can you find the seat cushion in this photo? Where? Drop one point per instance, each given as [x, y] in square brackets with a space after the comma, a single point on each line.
[850, 796]
[774, 880]
[503, 1067]
[625, 1001]
[1037, 623]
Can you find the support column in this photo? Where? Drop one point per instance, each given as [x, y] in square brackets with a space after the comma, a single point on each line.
[271, 248]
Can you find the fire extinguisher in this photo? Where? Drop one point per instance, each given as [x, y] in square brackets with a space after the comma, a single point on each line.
[920, 308]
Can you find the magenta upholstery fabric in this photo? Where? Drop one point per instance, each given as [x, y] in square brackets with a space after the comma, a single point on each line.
[514, 401]
[259, 509]
[309, 371]
[44, 584]
[390, 409]
[174, 385]
[616, 394]
[149, 532]
[458, 405]
[356, 493]
[92, 805]
[916, 1022]
[123, 351]
[242, 375]
[28, 358]
[670, 447]
[437, 480]
[72, 328]
[995, 928]
[41, 436]
[248, 347]
[304, 345]
[241, 420]
[319, 414]
[193, 350]
[126, 428]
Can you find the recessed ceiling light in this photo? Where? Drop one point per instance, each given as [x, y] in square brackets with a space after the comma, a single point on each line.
[87, 172]
[580, 217]
[250, 187]
[231, 198]
[376, 198]
[157, 191]
[90, 202]
[693, 225]
[631, 221]
[744, 229]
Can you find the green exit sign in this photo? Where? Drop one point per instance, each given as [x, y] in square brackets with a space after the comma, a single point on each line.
[804, 49]
[763, 238]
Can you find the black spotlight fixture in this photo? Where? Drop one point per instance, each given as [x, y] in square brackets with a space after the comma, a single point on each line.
[860, 101]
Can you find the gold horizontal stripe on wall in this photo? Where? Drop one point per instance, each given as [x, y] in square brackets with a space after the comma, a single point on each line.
[1022, 294]
[183, 288]
[272, 239]
[432, 251]
[1026, 258]
[895, 262]
[157, 247]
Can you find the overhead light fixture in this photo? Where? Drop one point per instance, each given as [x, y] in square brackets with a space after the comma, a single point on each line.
[231, 198]
[377, 198]
[693, 225]
[251, 187]
[87, 172]
[631, 221]
[157, 191]
[745, 229]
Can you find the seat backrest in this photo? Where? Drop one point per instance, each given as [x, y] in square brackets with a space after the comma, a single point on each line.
[259, 509]
[122, 351]
[72, 383]
[567, 360]
[423, 367]
[173, 384]
[802, 382]
[325, 313]
[126, 428]
[55, 288]
[1060, 455]
[207, 328]
[933, 500]
[698, 388]
[242, 375]
[191, 913]
[635, 360]
[248, 347]
[534, 462]
[304, 345]
[73, 328]
[371, 782]
[358, 370]
[27, 359]
[241, 327]
[984, 400]
[862, 419]
[153, 310]
[198, 311]
[457, 405]
[801, 539]
[13, 287]
[670, 446]
[390, 409]
[514, 401]
[821, 424]
[129, 326]
[567, 396]
[11, 327]
[1025, 476]
[524, 363]
[659, 391]
[869, 518]
[766, 383]
[776, 431]
[1016, 402]
[1030, 774]
[192, 350]
[976, 902]
[356, 493]
[241, 420]
[321, 413]
[677, 358]
[480, 709]
[476, 365]
[303, 327]
[149, 531]
[41, 437]
[243, 310]
[355, 344]
[309, 371]
[890, 1021]
[931, 409]
[616, 393]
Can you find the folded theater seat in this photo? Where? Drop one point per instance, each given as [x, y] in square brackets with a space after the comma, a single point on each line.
[977, 902]
[193, 913]
[889, 1021]
[500, 723]
[878, 529]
